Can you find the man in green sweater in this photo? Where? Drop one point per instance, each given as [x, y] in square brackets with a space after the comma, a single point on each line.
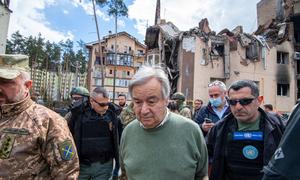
[160, 144]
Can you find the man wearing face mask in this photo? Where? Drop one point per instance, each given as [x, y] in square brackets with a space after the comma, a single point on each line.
[78, 95]
[216, 109]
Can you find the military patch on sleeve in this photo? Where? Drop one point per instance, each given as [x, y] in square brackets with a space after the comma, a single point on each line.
[66, 150]
[6, 146]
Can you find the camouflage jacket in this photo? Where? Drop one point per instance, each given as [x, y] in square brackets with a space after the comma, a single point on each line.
[185, 111]
[35, 143]
[127, 115]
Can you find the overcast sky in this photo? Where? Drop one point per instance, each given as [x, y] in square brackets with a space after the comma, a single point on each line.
[61, 19]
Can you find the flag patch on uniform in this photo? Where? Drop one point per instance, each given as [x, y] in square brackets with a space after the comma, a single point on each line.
[7, 145]
[66, 150]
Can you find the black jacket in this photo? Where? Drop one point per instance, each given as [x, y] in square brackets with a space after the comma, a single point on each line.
[285, 161]
[83, 110]
[216, 139]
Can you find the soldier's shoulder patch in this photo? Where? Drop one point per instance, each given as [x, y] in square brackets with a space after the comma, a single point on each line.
[66, 150]
[7, 145]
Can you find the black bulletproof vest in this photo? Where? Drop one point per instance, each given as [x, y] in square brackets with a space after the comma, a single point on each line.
[244, 155]
[96, 142]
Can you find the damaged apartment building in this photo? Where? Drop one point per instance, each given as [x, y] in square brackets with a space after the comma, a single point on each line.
[270, 56]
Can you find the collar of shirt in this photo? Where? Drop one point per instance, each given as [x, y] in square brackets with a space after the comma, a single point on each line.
[220, 113]
[161, 123]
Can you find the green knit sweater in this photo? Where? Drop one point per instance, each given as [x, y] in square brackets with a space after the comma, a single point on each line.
[176, 150]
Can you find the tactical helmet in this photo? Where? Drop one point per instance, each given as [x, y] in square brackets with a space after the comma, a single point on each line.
[80, 91]
[178, 96]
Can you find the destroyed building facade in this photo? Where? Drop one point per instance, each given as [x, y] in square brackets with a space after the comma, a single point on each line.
[269, 56]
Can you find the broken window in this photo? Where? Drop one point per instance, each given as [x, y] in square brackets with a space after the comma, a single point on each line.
[217, 50]
[252, 51]
[282, 57]
[283, 89]
[151, 39]
[296, 20]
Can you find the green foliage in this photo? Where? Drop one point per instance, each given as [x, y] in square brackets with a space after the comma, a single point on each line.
[101, 3]
[117, 8]
[48, 55]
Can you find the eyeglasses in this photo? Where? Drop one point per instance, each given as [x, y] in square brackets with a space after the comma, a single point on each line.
[242, 102]
[101, 104]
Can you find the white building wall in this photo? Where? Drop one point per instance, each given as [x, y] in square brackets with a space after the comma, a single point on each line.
[254, 71]
[4, 22]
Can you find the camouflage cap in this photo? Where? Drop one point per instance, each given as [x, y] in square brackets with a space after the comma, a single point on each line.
[178, 96]
[80, 91]
[11, 65]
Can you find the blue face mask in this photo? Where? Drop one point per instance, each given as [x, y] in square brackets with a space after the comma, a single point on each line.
[215, 102]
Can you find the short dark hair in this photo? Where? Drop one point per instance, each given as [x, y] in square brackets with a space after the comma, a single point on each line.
[121, 94]
[237, 85]
[269, 106]
[99, 90]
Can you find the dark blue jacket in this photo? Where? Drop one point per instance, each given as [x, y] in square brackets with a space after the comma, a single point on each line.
[208, 112]
[216, 139]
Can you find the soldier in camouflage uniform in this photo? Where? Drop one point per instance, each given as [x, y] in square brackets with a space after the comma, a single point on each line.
[35, 142]
[184, 110]
[78, 95]
[127, 115]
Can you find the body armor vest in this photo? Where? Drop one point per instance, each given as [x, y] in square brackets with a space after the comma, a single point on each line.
[244, 155]
[96, 139]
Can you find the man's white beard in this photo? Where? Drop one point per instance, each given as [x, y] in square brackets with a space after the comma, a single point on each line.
[20, 96]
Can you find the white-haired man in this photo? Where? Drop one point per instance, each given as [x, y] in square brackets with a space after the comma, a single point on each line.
[160, 144]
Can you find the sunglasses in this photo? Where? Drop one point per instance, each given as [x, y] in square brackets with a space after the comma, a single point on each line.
[101, 104]
[242, 102]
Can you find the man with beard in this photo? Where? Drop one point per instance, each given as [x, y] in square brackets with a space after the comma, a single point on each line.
[35, 142]
[197, 106]
[245, 140]
[122, 100]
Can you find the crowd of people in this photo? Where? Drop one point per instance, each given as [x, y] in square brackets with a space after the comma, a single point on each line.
[155, 136]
